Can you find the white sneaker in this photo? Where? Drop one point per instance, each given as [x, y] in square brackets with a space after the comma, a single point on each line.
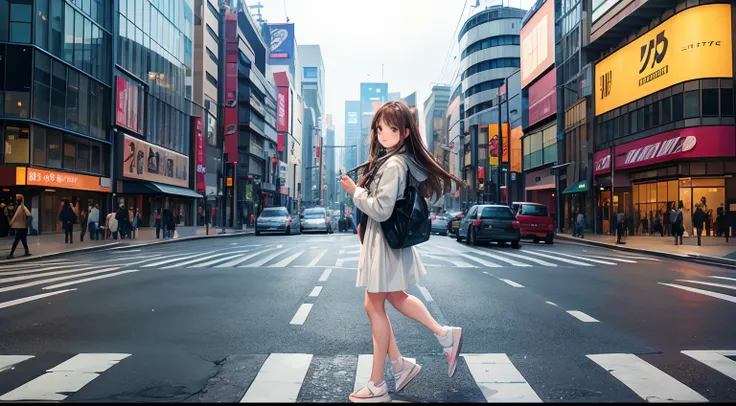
[407, 372]
[371, 393]
[451, 344]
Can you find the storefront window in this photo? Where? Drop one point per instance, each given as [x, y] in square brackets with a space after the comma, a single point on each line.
[53, 148]
[17, 144]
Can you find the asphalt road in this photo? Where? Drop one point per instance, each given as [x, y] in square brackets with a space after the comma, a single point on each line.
[278, 318]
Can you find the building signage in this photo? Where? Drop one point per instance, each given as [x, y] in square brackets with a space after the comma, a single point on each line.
[58, 179]
[128, 105]
[693, 44]
[493, 143]
[516, 134]
[200, 163]
[543, 98]
[145, 161]
[282, 40]
[696, 142]
[282, 110]
[537, 43]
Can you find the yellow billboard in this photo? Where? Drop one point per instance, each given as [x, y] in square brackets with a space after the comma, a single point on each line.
[693, 44]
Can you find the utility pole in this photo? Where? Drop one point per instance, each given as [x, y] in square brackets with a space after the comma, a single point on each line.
[221, 107]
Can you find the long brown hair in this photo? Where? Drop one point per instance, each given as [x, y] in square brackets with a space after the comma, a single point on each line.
[397, 114]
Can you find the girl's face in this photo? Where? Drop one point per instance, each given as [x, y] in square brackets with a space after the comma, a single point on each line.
[388, 135]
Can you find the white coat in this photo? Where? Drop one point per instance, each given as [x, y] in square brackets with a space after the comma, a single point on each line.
[381, 268]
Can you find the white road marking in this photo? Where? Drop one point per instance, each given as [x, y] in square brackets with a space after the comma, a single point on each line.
[526, 258]
[501, 258]
[718, 285]
[617, 259]
[243, 258]
[482, 261]
[645, 380]
[233, 243]
[717, 360]
[341, 252]
[724, 278]
[568, 261]
[279, 379]
[457, 263]
[85, 280]
[363, 371]
[498, 379]
[132, 251]
[512, 283]
[582, 316]
[716, 295]
[168, 261]
[200, 259]
[8, 361]
[317, 258]
[280, 246]
[315, 292]
[286, 261]
[597, 261]
[325, 275]
[341, 261]
[551, 303]
[301, 315]
[30, 299]
[66, 378]
[262, 261]
[25, 265]
[37, 270]
[43, 275]
[425, 293]
[60, 278]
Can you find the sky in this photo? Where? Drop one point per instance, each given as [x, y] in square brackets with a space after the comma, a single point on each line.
[411, 38]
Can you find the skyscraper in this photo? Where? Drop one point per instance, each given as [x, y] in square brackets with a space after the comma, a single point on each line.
[352, 134]
[372, 96]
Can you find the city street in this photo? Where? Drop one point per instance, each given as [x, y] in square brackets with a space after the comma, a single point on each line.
[278, 318]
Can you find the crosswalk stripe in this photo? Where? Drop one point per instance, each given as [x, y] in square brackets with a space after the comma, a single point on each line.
[597, 261]
[512, 283]
[317, 258]
[457, 263]
[363, 371]
[565, 260]
[483, 262]
[218, 260]
[498, 379]
[43, 275]
[85, 280]
[582, 316]
[262, 261]
[500, 258]
[716, 295]
[617, 259]
[8, 361]
[717, 285]
[168, 261]
[644, 379]
[243, 258]
[279, 379]
[286, 261]
[200, 259]
[60, 278]
[37, 270]
[31, 265]
[724, 278]
[16, 302]
[66, 378]
[717, 360]
[526, 258]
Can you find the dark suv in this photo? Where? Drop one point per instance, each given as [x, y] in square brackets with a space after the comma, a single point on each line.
[490, 223]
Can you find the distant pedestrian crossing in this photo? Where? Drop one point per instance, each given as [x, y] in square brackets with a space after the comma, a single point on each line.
[718, 287]
[480, 377]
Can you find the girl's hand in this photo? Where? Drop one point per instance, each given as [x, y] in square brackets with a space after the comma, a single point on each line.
[347, 184]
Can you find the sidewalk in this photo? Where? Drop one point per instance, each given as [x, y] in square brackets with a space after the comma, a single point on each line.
[53, 244]
[712, 248]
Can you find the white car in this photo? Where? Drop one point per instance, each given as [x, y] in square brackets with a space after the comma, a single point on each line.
[316, 219]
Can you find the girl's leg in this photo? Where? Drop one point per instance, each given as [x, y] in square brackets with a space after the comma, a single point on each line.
[393, 349]
[413, 308]
[381, 329]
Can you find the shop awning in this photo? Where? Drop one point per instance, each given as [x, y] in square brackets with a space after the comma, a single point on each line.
[153, 188]
[580, 187]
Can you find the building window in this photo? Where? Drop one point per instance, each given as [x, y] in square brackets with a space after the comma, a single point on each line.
[492, 64]
[483, 86]
[212, 8]
[212, 55]
[310, 72]
[70, 153]
[42, 87]
[212, 33]
[710, 103]
[39, 146]
[57, 24]
[490, 42]
[18, 81]
[726, 102]
[53, 148]
[212, 80]
[692, 104]
[42, 23]
[677, 107]
[20, 20]
[17, 144]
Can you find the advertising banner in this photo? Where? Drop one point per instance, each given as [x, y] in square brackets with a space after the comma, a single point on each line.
[144, 161]
[516, 134]
[200, 163]
[231, 84]
[697, 142]
[537, 43]
[693, 44]
[493, 142]
[543, 98]
[128, 105]
[282, 110]
[282, 40]
[63, 180]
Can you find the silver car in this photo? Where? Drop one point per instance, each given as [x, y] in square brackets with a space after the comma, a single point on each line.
[277, 220]
[316, 219]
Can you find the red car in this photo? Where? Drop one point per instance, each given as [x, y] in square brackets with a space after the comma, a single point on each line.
[535, 221]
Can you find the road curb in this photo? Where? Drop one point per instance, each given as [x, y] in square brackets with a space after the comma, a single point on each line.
[119, 245]
[706, 259]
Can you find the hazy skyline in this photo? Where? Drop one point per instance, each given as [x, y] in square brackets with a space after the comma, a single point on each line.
[411, 38]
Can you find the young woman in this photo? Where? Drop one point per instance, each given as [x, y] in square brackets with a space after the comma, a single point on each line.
[396, 151]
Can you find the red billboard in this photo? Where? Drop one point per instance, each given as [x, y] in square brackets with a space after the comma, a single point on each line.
[543, 98]
[128, 105]
[282, 110]
[537, 43]
[200, 163]
[696, 142]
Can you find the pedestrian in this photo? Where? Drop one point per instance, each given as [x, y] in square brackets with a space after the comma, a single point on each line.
[157, 223]
[68, 218]
[698, 220]
[82, 224]
[123, 221]
[620, 225]
[4, 220]
[580, 224]
[19, 223]
[93, 221]
[396, 147]
[679, 219]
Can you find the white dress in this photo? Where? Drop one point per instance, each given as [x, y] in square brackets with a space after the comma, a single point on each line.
[381, 268]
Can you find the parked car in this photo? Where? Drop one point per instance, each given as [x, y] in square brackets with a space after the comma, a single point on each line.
[535, 221]
[490, 223]
[316, 219]
[454, 223]
[439, 223]
[277, 220]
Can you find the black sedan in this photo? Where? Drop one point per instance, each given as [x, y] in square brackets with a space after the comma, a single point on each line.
[490, 223]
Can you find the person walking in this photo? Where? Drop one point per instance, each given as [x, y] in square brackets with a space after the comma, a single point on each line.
[4, 220]
[82, 225]
[678, 224]
[397, 155]
[19, 224]
[580, 224]
[93, 221]
[123, 221]
[620, 225]
[698, 220]
[68, 218]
